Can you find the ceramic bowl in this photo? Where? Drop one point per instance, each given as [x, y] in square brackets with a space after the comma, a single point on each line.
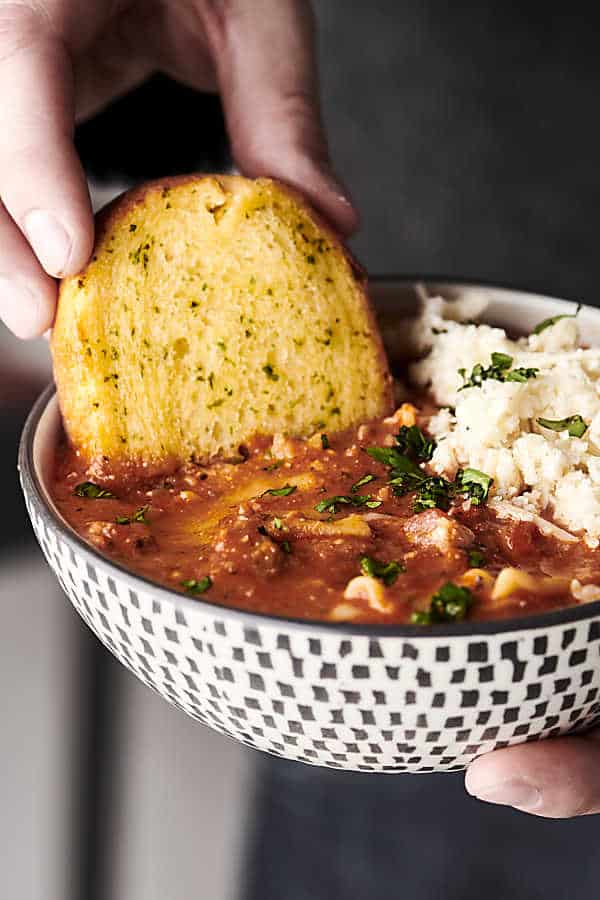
[357, 697]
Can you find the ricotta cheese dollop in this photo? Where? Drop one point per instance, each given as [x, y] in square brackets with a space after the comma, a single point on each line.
[490, 421]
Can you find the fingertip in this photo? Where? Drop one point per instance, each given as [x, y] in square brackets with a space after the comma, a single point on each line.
[332, 198]
[61, 249]
[27, 310]
[311, 177]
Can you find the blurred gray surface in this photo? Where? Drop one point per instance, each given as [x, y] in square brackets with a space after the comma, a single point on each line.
[38, 735]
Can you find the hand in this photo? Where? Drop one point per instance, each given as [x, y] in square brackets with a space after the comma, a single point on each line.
[65, 58]
[558, 778]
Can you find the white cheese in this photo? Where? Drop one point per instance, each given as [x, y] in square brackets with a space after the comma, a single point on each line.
[494, 427]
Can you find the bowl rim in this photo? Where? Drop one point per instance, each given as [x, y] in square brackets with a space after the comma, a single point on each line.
[34, 489]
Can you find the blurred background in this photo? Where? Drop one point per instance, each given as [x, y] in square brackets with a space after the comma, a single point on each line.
[468, 138]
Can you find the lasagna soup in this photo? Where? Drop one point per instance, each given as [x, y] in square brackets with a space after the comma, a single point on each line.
[478, 498]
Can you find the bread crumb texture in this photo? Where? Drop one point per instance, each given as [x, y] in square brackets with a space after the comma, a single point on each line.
[214, 308]
[494, 427]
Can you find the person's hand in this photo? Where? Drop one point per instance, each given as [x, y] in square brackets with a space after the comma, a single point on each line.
[62, 59]
[557, 778]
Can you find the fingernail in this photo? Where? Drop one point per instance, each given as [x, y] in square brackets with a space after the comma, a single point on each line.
[50, 241]
[19, 307]
[513, 792]
[337, 187]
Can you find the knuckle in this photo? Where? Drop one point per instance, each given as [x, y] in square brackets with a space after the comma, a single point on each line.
[20, 27]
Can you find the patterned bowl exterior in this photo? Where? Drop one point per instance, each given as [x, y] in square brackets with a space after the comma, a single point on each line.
[363, 698]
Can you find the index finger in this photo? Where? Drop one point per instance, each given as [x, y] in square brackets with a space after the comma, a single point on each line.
[265, 58]
[42, 183]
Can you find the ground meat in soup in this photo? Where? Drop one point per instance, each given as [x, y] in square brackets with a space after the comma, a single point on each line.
[325, 529]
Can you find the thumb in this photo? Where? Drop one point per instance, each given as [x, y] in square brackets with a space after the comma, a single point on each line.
[557, 778]
[265, 60]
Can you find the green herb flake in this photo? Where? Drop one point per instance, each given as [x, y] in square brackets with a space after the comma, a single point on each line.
[141, 254]
[575, 425]
[270, 372]
[324, 442]
[386, 572]
[499, 370]
[432, 491]
[475, 484]
[330, 504]
[138, 516]
[522, 375]
[133, 227]
[414, 443]
[546, 323]
[200, 586]
[450, 604]
[286, 546]
[476, 559]
[395, 459]
[366, 479]
[92, 491]
[277, 523]
[284, 491]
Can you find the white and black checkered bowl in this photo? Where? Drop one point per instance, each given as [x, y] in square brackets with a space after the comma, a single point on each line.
[369, 698]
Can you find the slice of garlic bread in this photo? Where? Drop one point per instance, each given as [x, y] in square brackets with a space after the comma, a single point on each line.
[214, 308]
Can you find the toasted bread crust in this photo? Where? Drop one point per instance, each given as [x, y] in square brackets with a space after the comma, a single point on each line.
[84, 309]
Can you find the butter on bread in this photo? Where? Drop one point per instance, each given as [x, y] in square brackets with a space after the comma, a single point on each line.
[214, 308]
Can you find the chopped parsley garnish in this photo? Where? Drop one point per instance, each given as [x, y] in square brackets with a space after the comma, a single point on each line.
[278, 524]
[387, 572]
[499, 370]
[281, 492]
[331, 504]
[476, 559]
[92, 491]
[414, 443]
[194, 586]
[541, 326]
[138, 516]
[366, 479]
[324, 442]
[392, 457]
[433, 491]
[475, 484]
[573, 424]
[450, 604]
[286, 546]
